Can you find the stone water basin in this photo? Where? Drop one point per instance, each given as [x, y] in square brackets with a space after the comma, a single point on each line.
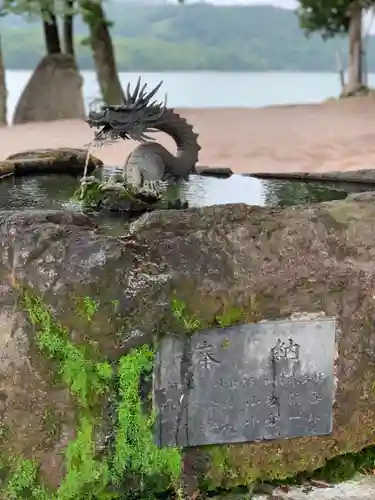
[54, 191]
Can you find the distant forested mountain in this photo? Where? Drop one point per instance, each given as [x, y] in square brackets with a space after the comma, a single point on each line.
[162, 37]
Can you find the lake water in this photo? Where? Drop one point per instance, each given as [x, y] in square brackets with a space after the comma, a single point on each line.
[213, 89]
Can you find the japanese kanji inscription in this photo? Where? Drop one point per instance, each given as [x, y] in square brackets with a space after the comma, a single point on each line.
[250, 382]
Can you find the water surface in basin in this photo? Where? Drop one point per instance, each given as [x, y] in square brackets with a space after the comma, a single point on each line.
[55, 192]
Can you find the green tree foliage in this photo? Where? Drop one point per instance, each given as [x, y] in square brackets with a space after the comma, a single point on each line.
[33, 8]
[330, 17]
[49, 11]
[189, 37]
[334, 17]
[44, 10]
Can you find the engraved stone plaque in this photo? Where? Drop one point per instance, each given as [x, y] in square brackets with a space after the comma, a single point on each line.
[251, 382]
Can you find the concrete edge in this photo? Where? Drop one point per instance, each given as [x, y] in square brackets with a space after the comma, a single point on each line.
[362, 176]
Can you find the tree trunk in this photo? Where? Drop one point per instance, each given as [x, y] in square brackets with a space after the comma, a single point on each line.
[355, 70]
[51, 33]
[103, 53]
[68, 28]
[3, 91]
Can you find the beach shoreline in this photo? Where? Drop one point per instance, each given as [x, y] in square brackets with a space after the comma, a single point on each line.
[330, 136]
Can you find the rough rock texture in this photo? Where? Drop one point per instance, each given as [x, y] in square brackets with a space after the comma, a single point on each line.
[269, 262]
[52, 93]
[360, 488]
[60, 160]
[368, 196]
[37, 417]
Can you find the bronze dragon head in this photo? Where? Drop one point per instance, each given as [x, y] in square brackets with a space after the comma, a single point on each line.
[131, 120]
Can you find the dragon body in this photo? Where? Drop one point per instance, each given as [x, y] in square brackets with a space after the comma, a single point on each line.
[138, 116]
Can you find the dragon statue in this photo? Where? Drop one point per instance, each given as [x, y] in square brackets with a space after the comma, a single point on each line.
[150, 163]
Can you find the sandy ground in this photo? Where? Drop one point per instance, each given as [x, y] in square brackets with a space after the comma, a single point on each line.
[338, 135]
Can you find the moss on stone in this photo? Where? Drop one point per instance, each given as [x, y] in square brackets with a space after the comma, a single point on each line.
[221, 461]
[6, 169]
[231, 466]
[290, 460]
[131, 460]
[228, 466]
[211, 312]
[87, 307]
[51, 424]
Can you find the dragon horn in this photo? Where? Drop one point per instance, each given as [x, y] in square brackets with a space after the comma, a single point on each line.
[153, 92]
[142, 93]
[136, 90]
[128, 94]
[162, 108]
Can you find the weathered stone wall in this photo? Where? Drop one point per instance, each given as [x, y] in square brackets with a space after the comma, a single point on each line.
[268, 263]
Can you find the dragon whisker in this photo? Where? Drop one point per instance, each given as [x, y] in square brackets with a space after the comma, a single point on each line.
[147, 137]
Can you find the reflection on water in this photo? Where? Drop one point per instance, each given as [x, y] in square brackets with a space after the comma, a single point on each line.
[286, 193]
[43, 191]
[55, 191]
